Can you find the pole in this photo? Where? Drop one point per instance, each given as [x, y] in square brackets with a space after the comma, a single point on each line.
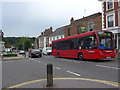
[49, 75]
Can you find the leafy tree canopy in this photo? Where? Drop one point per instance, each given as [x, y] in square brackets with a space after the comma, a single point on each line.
[23, 43]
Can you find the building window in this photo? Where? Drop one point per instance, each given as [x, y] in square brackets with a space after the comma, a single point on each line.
[61, 36]
[110, 4]
[110, 21]
[68, 31]
[90, 26]
[81, 30]
[57, 38]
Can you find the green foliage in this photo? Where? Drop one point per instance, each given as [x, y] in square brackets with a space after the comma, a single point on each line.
[25, 44]
[9, 54]
[19, 42]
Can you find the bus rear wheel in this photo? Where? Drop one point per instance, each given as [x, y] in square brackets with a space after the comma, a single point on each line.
[80, 56]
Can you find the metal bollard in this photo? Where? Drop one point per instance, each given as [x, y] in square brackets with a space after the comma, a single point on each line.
[49, 75]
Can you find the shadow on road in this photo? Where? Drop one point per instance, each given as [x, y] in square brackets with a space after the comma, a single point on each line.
[98, 60]
[90, 60]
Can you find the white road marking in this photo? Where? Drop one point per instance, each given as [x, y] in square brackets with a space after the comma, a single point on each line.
[115, 68]
[8, 61]
[35, 60]
[107, 67]
[57, 67]
[73, 73]
[103, 66]
[39, 61]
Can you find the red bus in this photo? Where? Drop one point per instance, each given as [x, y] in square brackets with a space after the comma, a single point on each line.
[97, 44]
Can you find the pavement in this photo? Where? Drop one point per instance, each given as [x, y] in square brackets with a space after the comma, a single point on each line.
[68, 83]
[14, 58]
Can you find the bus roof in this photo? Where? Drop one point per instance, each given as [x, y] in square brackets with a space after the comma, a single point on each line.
[78, 35]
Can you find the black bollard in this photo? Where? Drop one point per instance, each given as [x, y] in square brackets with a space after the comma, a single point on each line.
[49, 75]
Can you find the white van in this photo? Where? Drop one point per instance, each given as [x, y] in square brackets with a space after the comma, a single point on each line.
[47, 51]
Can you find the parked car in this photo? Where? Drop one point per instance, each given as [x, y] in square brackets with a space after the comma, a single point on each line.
[21, 52]
[35, 53]
[47, 51]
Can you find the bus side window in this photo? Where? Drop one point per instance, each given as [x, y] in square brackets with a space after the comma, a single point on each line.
[81, 43]
[89, 42]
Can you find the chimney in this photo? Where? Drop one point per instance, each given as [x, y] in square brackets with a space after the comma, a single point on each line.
[41, 33]
[1, 35]
[72, 20]
[51, 28]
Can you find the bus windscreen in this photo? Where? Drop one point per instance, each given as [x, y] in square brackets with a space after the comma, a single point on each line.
[105, 40]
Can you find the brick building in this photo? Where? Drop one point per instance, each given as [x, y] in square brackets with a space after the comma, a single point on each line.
[43, 39]
[111, 18]
[85, 24]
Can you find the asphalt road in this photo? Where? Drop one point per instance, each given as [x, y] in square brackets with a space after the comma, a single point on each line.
[24, 70]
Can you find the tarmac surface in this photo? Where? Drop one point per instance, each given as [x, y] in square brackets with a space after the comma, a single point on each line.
[64, 82]
[26, 56]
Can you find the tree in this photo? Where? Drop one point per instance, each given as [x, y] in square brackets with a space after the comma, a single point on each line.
[19, 42]
[25, 44]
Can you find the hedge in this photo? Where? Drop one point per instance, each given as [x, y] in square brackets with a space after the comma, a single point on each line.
[10, 54]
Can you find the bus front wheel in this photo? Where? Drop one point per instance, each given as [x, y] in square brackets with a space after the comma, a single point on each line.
[80, 56]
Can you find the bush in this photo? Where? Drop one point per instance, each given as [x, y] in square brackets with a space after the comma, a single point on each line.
[9, 54]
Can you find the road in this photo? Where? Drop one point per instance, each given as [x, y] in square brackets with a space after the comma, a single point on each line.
[24, 70]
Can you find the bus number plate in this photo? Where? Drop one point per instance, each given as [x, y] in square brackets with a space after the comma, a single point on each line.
[108, 57]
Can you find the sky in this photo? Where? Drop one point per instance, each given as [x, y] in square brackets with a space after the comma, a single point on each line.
[30, 18]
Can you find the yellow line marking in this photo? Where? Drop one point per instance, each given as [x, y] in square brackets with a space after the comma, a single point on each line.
[95, 80]
[25, 83]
